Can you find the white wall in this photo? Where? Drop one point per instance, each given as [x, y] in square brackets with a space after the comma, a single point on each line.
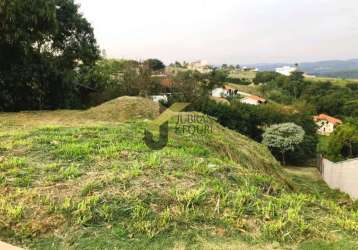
[342, 176]
[219, 92]
[286, 70]
[325, 127]
[158, 98]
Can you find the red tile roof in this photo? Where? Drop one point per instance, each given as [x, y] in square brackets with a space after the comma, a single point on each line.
[166, 83]
[327, 118]
[228, 87]
[256, 98]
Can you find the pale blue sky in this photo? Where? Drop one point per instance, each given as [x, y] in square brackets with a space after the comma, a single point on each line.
[226, 31]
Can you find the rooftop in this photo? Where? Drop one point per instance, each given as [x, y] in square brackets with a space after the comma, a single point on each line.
[328, 118]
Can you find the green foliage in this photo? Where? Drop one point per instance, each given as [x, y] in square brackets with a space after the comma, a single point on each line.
[343, 143]
[249, 120]
[154, 64]
[114, 78]
[241, 81]
[120, 194]
[283, 137]
[105, 74]
[43, 43]
[323, 245]
[352, 86]
[195, 87]
[264, 77]
[324, 96]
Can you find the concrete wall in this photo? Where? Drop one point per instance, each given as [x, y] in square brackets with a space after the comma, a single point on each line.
[342, 176]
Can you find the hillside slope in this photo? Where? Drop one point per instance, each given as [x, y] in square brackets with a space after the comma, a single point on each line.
[347, 69]
[94, 184]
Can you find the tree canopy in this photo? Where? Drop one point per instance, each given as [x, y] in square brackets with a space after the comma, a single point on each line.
[43, 43]
[154, 64]
[283, 137]
[265, 76]
[343, 143]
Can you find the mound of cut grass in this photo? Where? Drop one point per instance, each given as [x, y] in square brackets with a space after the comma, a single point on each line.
[123, 109]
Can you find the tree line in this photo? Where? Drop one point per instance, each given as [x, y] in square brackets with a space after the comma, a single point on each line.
[50, 59]
[315, 98]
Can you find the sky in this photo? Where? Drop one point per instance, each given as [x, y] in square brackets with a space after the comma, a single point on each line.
[225, 31]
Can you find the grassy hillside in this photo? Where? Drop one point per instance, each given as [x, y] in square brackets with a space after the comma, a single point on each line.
[250, 89]
[337, 81]
[241, 74]
[86, 180]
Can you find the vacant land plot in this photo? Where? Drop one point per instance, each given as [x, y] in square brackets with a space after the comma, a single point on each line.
[86, 180]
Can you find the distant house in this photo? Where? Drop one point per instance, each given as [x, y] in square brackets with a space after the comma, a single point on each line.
[227, 91]
[219, 93]
[250, 69]
[326, 124]
[286, 70]
[253, 100]
[166, 83]
[231, 91]
[160, 98]
[224, 92]
[202, 66]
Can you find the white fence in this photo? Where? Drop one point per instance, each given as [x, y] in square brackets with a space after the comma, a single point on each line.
[341, 175]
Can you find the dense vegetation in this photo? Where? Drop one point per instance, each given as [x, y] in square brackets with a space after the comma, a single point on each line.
[319, 97]
[343, 143]
[252, 121]
[43, 45]
[345, 74]
[313, 97]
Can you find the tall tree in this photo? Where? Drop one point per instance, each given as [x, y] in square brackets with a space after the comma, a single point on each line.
[344, 142]
[42, 45]
[283, 137]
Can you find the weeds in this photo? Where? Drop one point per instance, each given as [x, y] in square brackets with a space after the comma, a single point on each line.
[98, 176]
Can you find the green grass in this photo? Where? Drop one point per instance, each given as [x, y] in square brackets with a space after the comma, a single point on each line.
[94, 184]
[323, 245]
[251, 89]
[336, 81]
[241, 74]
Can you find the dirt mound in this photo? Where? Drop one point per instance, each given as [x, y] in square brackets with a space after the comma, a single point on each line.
[123, 109]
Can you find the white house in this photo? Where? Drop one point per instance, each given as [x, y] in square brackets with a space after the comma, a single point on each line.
[253, 100]
[160, 98]
[225, 91]
[202, 66]
[326, 124]
[219, 92]
[286, 70]
[245, 68]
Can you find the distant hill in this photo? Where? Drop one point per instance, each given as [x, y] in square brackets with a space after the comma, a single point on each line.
[333, 68]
